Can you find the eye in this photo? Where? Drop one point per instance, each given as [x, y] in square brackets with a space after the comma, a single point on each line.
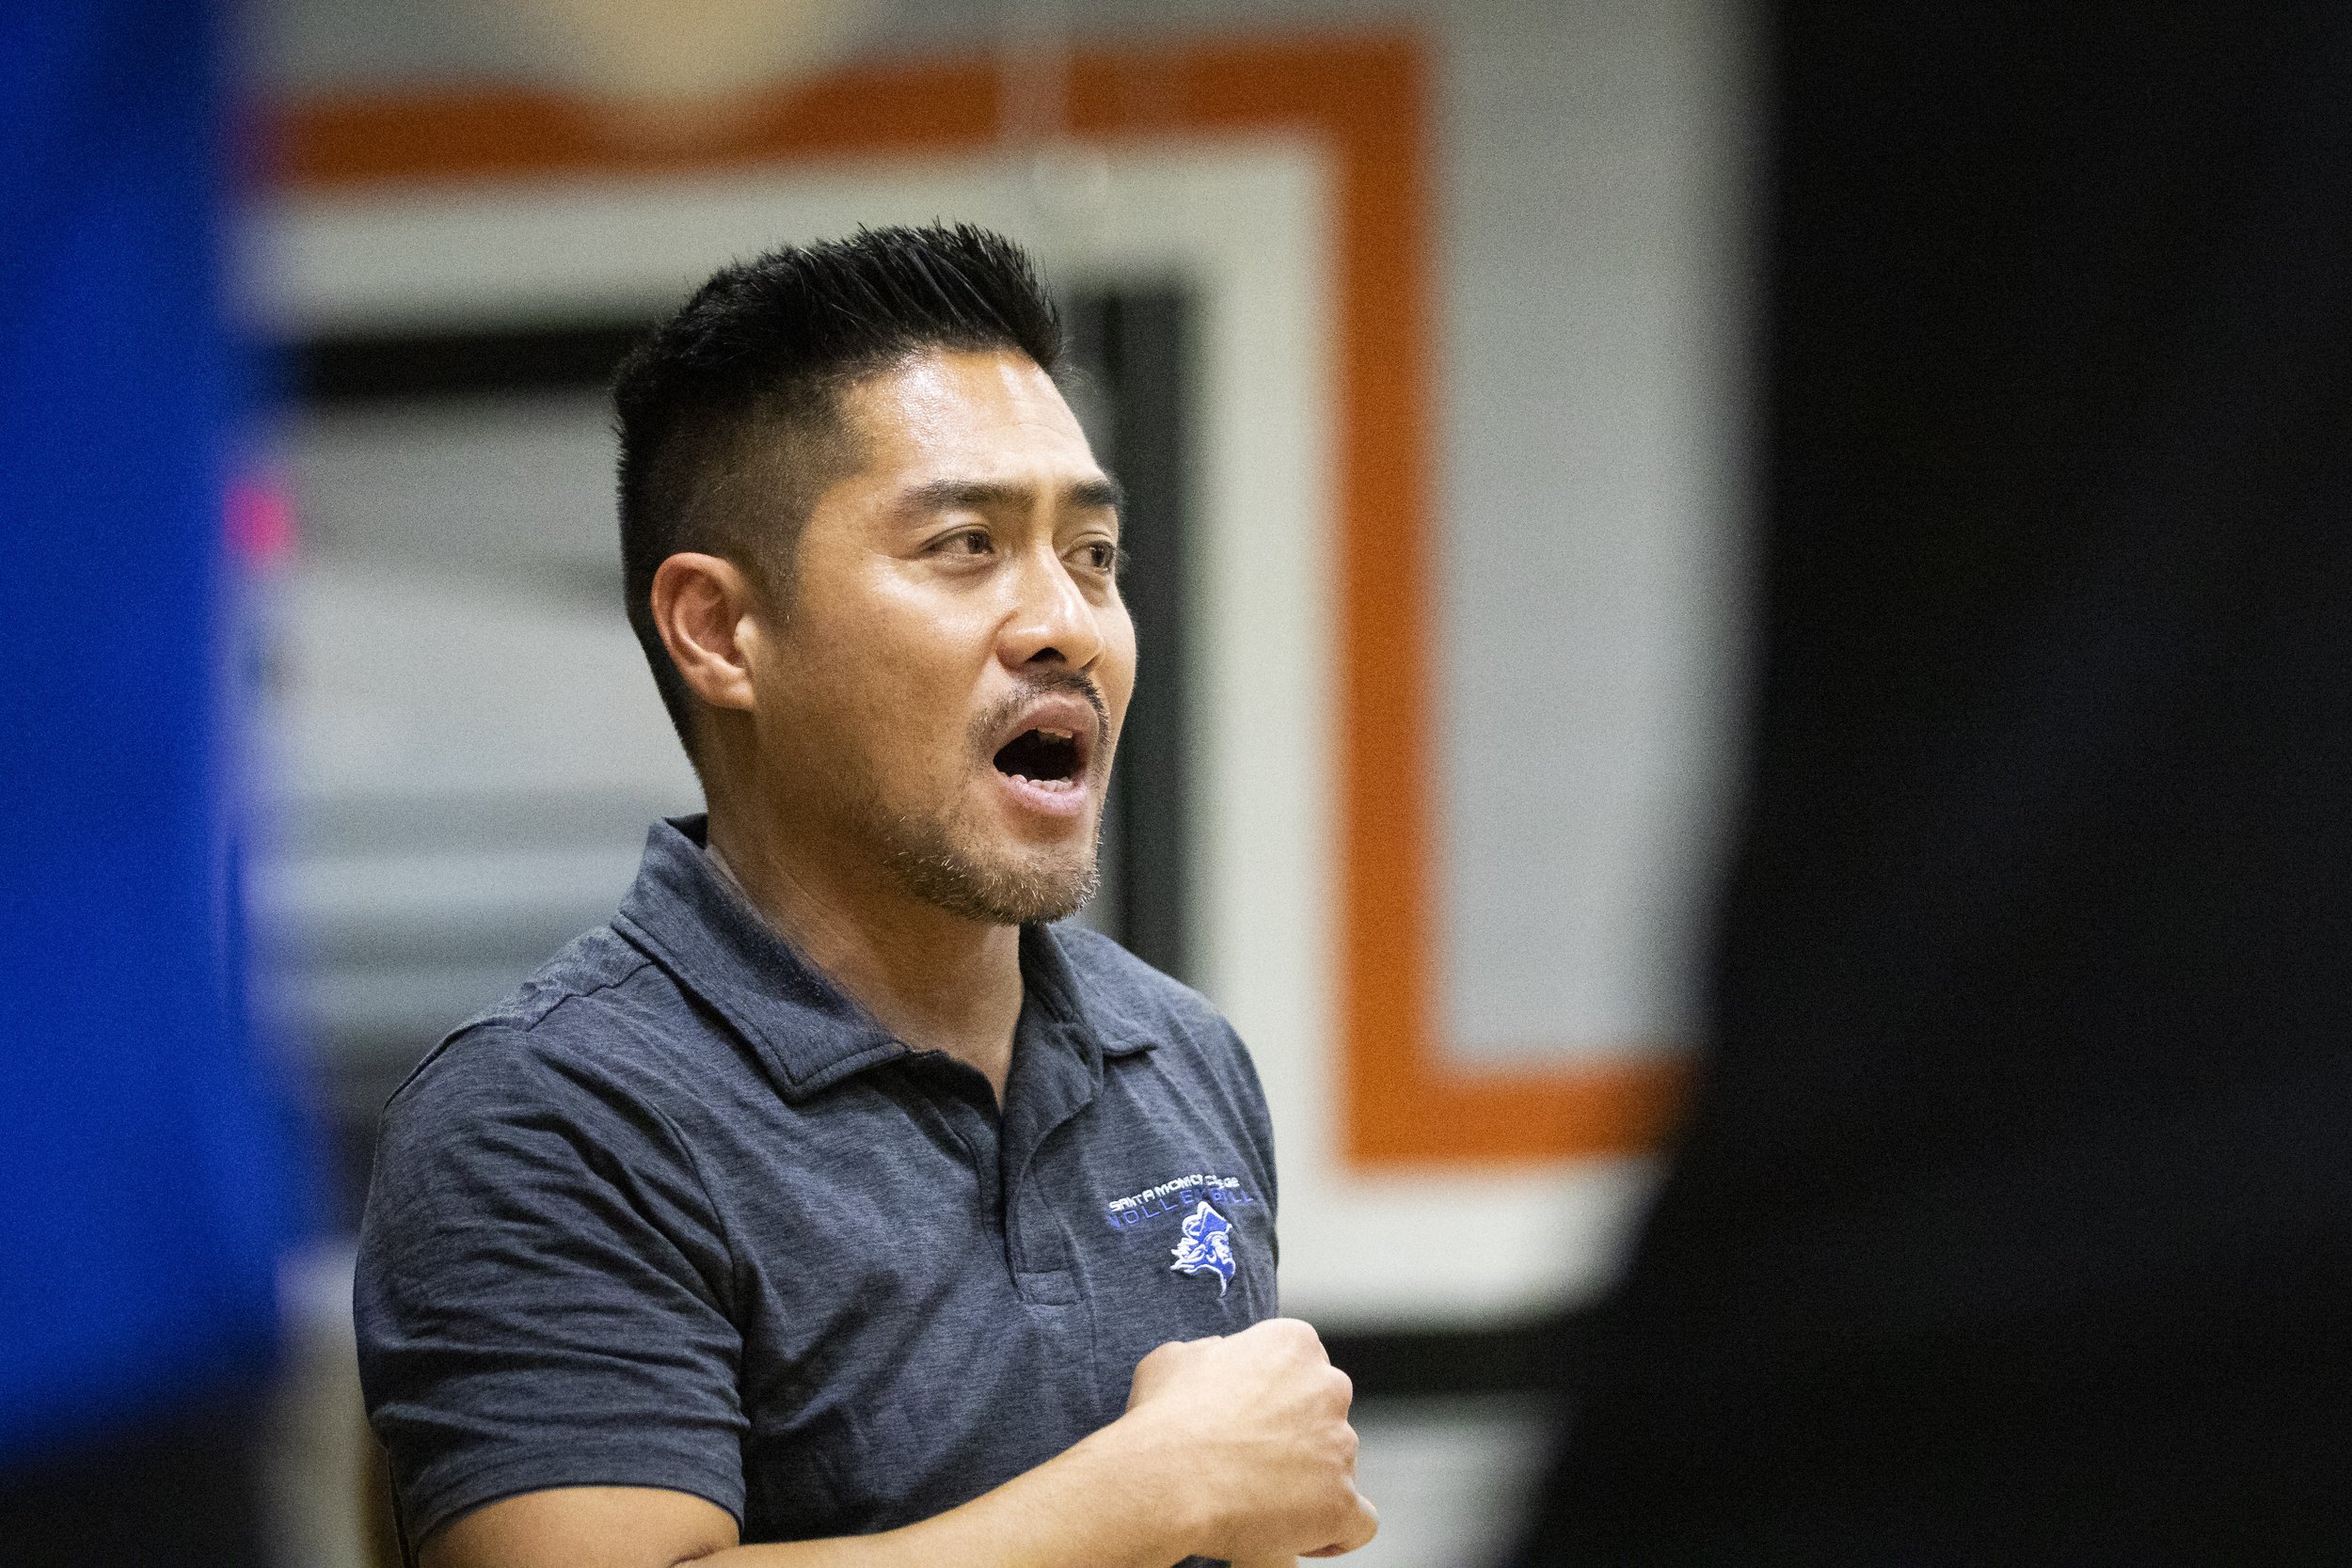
[1100, 554]
[969, 540]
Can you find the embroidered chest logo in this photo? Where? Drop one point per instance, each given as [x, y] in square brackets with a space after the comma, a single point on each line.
[1207, 1246]
[1197, 1212]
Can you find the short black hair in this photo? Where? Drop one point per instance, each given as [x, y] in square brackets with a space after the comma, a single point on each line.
[743, 384]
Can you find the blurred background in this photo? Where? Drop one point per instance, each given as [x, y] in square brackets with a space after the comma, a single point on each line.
[1441, 295]
[1771, 580]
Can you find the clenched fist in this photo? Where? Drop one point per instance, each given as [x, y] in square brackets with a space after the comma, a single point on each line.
[1256, 1422]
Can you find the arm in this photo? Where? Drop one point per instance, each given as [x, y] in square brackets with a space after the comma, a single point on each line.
[1252, 1431]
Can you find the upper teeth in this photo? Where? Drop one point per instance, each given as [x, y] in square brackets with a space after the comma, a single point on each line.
[1053, 735]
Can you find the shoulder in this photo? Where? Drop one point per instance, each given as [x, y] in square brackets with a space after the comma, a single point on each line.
[1117, 983]
[1180, 1051]
[589, 1030]
[597, 967]
[1126, 997]
[566, 1108]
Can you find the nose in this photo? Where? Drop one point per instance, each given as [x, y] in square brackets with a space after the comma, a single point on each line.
[1052, 620]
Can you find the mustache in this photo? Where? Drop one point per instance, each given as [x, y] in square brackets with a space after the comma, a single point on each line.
[1053, 683]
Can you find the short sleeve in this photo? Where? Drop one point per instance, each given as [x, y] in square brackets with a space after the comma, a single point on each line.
[542, 1288]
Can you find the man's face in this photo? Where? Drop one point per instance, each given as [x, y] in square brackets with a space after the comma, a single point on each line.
[942, 692]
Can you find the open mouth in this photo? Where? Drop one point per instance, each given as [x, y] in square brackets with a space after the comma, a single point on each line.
[1047, 757]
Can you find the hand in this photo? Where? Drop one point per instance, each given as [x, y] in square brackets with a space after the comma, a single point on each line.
[1251, 1432]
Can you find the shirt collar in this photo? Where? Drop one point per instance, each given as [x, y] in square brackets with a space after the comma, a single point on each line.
[1078, 1000]
[811, 1036]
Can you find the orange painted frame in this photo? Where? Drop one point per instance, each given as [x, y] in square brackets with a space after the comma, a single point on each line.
[1363, 99]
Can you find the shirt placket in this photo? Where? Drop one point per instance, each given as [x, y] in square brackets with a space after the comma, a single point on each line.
[1051, 1088]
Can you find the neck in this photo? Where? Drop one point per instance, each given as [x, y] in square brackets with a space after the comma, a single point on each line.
[937, 981]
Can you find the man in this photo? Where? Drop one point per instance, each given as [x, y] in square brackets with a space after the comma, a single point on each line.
[831, 1196]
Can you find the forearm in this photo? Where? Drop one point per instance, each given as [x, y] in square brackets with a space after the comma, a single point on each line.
[1091, 1507]
[1253, 1427]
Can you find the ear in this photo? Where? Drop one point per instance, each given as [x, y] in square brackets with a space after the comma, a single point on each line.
[704, 609]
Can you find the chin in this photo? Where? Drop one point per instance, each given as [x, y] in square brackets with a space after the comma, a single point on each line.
[1006, 887]
[1056, 890]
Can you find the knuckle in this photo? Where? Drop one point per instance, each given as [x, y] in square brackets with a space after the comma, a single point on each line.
[1293, 1331]
[1345, 1525]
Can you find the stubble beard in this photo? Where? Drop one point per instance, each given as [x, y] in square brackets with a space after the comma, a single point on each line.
[940, 866]
[945, 859]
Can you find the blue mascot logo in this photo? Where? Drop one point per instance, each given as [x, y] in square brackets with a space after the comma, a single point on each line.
[1207, 1247]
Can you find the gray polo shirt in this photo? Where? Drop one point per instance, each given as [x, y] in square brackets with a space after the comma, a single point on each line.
[679, 1214]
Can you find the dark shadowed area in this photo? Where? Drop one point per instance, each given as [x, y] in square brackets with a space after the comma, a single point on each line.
[2014, 1223]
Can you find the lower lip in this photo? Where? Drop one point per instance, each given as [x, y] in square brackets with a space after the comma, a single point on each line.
[1067, 801]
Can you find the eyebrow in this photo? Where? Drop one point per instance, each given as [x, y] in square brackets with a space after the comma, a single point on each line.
[943, 495]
